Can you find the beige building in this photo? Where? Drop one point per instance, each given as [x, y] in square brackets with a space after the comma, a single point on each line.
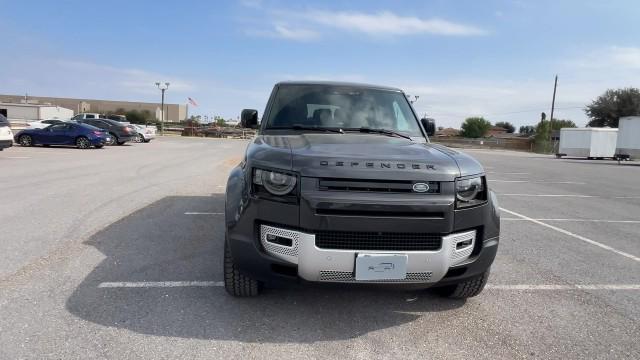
[173, 112]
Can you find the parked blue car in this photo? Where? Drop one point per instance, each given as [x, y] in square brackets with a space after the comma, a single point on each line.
[82, 136]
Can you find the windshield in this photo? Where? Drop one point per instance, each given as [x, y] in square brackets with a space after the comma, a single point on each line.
[341, 107]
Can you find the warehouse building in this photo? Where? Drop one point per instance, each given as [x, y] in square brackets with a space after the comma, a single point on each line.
[173, 112]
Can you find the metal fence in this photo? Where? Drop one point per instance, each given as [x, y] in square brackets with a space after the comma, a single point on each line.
[521, 144]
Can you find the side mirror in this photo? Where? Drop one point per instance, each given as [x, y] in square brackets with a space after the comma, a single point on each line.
[249, 118]
[429, 126]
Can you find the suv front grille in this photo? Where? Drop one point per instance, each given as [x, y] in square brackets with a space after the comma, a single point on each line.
[392, 186]
[352, 240]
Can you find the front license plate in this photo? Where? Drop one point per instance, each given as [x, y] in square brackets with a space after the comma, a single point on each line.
[381, 266]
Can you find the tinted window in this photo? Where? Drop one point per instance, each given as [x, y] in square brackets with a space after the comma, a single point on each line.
[89, 116]
[58, 127]
[112, 122]
[3, 121]
[342, 107]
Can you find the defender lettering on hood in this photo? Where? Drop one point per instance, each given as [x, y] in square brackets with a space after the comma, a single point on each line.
[378, 165]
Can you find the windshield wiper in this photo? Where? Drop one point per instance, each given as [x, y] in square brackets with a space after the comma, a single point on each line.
[379, 131]
[312, 128]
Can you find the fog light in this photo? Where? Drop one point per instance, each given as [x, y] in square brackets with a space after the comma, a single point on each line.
[279, 240]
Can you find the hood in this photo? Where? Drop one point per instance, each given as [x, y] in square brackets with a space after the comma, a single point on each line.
[361, 156]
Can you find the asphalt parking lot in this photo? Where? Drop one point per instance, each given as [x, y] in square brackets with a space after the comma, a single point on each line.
[117, 253]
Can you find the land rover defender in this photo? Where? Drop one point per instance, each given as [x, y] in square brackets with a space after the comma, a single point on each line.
[341, 184]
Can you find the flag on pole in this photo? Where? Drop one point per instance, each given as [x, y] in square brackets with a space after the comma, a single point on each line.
[192, 102]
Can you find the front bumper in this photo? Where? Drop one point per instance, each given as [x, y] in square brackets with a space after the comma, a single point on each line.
[6, 144]
[320, 212]
[126, 138]
[333, 265]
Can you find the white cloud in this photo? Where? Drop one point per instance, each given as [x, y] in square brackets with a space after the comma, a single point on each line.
[300, 34]
[84, 79]
[309, 25]
[386, 23]
[253, 4]
[126, 79]
[284, 31]
[612, 57]
[628, 57]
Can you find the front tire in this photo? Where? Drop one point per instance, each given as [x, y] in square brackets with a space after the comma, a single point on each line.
[112, 140]
[235, 283]
[99, 146]
[120, 143]
[25, 140]
[469, 288]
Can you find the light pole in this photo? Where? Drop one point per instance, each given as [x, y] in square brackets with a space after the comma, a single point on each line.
[162, 88]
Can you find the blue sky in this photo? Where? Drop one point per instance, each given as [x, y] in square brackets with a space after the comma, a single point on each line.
[492, 58]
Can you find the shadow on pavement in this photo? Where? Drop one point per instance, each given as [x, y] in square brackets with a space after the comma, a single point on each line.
[601, 162]
[161, 243]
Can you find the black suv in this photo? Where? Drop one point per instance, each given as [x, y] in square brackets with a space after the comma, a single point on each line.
[120, 133]
[341, 184]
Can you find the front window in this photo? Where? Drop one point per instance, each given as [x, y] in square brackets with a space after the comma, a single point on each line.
[341, 107]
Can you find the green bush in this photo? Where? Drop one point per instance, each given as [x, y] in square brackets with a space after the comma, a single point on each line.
[475, 127]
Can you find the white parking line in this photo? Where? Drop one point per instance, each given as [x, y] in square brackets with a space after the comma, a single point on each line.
[203, 213]
[172, 284]
[538, 182]
[507, 173]
[18, 157]
[159, 284]
[578, 220]
[550, 195]
[566, 287]
[576, 236]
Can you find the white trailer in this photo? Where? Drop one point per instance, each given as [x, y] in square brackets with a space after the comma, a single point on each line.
[32, 112]
[628, 146]
[592, 143]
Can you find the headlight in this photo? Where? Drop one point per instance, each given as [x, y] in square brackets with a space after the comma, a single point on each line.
[470, 192]
[276, 183]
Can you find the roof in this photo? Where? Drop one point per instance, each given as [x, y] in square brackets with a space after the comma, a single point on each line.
[339, 83]
[590, 129]
[29, 105]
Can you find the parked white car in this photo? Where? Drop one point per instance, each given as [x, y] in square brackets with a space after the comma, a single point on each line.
[145, 133]
[6, 135]
[84, 116]
[41, 124]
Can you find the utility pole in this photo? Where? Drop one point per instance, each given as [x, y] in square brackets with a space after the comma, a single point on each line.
[553, 102]
[162, 88]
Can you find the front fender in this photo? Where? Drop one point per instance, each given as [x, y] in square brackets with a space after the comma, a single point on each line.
[236, 196]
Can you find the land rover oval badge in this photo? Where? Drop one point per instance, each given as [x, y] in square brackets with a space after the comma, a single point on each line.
[420, 187]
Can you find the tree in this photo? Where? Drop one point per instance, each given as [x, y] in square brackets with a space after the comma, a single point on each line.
[557, 124]
[543, 133]
[506, 125]
[219, 120]
[607, 109]
[475, 127]
[137, 117]
[527, 130]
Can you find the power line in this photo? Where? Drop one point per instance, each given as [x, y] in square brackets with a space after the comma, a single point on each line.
[503, 113]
